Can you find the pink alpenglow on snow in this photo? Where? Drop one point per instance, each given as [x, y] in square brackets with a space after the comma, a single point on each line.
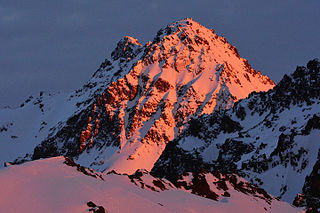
[58, 185]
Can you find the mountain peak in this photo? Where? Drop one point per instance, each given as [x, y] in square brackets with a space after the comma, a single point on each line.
[301, 86]
[184, 28]
[187, 24]
[194, 50]
[126, 48]
[143, 98]
[186, 71]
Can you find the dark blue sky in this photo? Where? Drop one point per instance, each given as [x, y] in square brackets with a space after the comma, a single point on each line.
[57, 45]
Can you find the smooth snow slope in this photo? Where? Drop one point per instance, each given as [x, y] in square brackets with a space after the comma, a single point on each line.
[51, 186]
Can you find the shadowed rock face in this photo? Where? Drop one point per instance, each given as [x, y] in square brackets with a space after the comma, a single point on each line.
[142, 98]
[310, 196]
[211, 185]
[86, 171]
[127, 48]
[215, 186]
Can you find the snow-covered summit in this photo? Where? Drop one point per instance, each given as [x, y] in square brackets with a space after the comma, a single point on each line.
[140, 99]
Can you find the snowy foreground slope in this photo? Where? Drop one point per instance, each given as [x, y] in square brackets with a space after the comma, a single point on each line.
[135, 103]
[60, 185]
[271, 138]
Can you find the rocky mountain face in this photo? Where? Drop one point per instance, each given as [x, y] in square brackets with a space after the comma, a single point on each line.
[270, 138]
[139, 100]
